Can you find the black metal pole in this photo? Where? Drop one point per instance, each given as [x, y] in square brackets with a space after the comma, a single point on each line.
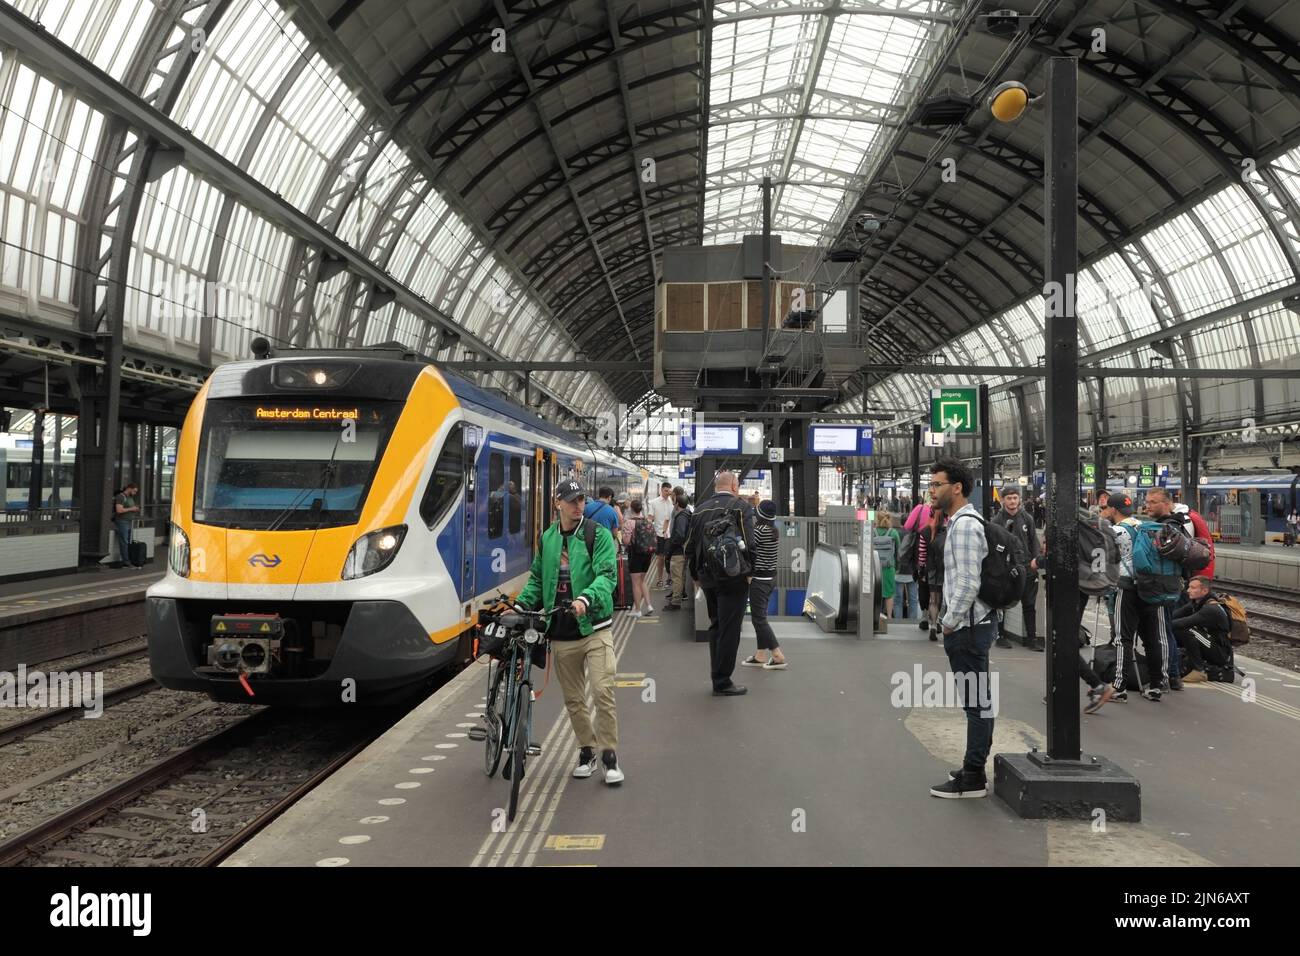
[986, 452]
[1061, 347]
[56, 500]
[38, 460]
[767, 266]
[916, 464]
[1185, 465]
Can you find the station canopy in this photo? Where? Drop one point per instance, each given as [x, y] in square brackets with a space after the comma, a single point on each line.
[519, 167]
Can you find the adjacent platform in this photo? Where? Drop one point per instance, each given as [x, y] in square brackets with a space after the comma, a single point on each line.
[83, 611]
[1270, 565]
[816, 766]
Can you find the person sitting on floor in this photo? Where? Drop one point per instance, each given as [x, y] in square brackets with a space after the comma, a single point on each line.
[1201, 627]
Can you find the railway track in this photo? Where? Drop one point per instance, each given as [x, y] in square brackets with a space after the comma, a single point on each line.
[226, 776]
[1263, 593]
[1281, 637]
[58, 715]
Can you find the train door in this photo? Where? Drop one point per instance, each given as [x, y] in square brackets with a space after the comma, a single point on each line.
[1252, 520]
[473, 440]
[548, 490]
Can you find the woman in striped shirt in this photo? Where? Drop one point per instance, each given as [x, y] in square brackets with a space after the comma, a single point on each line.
[769, 654]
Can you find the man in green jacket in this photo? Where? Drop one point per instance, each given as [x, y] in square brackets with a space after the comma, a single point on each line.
[577, 562]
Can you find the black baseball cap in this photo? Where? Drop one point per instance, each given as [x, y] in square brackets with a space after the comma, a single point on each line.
[569, 490]
[1121, 503]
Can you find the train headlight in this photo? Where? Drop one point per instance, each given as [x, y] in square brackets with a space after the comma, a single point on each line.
[373, 552]
[178, 552]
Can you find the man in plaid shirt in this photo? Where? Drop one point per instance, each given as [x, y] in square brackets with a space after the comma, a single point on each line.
[969, 625]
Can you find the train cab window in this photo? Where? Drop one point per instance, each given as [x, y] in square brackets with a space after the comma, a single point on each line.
[448, 474]
[496, 496]
[284, 465]
[516, 495]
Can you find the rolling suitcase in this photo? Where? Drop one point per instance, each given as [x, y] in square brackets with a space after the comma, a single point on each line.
[623, 589]
[137, 552]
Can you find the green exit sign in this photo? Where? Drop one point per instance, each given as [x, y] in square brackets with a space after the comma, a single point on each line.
[955, 410]
[1147, 476]
[1089, 474]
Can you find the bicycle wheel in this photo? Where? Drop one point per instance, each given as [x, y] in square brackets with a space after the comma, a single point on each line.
[519, 750]
[494, 717]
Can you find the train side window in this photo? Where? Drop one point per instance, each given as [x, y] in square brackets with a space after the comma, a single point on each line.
[496, 496]
[516, 497]
[444, 484]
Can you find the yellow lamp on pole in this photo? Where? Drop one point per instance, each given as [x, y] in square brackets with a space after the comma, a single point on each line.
[1009, 100]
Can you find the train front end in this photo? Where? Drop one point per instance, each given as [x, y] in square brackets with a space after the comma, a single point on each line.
[296, 574]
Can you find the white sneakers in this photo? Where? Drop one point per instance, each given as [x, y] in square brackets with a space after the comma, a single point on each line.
[586, 763]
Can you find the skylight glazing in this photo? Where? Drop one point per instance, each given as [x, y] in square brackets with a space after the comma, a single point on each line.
[806, 97]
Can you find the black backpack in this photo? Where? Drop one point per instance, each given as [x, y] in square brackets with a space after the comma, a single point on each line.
[1004, 575]
[724, 545]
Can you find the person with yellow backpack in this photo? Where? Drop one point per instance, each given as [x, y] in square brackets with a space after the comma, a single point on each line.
[1203, 626]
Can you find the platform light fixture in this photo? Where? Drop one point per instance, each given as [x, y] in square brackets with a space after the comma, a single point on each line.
[1009, 100]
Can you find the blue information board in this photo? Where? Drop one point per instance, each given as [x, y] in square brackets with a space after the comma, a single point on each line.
[837, 440]
[706, 439]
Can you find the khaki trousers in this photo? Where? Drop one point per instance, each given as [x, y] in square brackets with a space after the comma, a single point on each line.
[680, 584]
[596, 653]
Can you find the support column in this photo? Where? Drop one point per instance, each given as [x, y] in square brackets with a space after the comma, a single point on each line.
[780, 483]
[986, 452]
[1062, 390]
[767, 266]
[806, 498]
[148, 465]
[916, 464]
[1184, 463]
[34, 494]
[1062, 782]
[97, 441]
[1026, 431]
[56, 499]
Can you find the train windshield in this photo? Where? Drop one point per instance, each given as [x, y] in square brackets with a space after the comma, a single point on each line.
[288, 465]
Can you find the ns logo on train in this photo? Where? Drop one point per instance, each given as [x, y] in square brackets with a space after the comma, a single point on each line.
[262, 561]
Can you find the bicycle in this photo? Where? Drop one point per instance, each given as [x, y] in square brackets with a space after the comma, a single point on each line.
[508, 711]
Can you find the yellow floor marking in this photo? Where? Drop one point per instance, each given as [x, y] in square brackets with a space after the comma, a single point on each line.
[629, 683]
[575, 841]
[629, 676]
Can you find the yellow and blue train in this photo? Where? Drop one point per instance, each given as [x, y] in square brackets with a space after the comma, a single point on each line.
[339, 517]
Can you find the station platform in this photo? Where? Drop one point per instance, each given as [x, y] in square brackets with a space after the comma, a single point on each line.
[815, 766]
[1270, 565]
[81, 612]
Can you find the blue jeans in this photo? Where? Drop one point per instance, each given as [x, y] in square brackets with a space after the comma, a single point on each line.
[123, 540]
[968, 653]
[906, 590]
